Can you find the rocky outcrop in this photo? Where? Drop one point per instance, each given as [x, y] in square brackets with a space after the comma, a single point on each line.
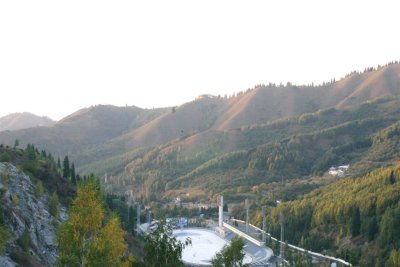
[28, 218]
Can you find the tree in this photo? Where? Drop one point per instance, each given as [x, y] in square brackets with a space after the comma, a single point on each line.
[16, 143]
[39, 189]
[66, 170]
[162, 249]
[355, 221]
[394, 258]
[73, 175]
[231, 255]
[54, 204]
[87, 238]
[392, 179]
[5, 236]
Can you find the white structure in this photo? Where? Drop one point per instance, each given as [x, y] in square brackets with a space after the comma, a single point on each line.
[338, 171]
[221, 211]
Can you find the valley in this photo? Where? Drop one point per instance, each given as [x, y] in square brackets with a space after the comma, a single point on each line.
[268, 143]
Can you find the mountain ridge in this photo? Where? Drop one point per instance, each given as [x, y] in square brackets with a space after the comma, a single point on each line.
[16, 121]
[212, 126]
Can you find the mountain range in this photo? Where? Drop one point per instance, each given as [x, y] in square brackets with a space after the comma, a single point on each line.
[269, 143]
[16, 121]
[214, 143]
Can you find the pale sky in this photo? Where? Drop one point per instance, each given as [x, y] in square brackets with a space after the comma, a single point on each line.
[59, 56]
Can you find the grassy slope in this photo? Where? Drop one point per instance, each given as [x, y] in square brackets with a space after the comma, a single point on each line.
[293, 148]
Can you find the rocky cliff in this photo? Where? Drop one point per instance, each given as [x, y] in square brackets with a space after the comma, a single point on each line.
[28, 220]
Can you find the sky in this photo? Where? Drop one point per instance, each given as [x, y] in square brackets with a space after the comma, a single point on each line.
[60, 56]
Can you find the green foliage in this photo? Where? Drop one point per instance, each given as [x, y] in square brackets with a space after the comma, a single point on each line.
[66, 168]
[231, 255]
[88, 238]
[353, 208]
[42, 169]
[394, 258]
[126, 213]
[39, 189]
[5, 236]
[24, 241]
[73, 175]
[5, 178]
[355, 221]
[16, 143]
[287, 148]
[389, 230]
[15, 199]
[162, 249]
[53, 207]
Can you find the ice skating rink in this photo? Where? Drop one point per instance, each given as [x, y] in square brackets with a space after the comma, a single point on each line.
[205, 244]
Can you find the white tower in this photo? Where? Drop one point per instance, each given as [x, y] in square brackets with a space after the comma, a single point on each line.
[264, 219]
[221, 211]
[246, 204]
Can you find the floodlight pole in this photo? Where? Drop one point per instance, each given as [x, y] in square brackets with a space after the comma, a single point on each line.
[221, 211]
[281, 219]
[246, 203]
[263, 213]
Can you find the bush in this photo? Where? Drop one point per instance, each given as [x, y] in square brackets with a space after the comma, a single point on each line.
[5, 236]
[54, 205]
[15, 199]
[24, 241]
[5, 178]
[39, 189]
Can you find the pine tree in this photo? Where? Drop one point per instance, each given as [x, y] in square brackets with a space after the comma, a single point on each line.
[355, 221]
[66, 169]
[73, 176]
[392, 179]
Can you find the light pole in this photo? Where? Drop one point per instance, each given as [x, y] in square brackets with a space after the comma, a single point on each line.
[246, 203]
[263, 213]
[282, 248]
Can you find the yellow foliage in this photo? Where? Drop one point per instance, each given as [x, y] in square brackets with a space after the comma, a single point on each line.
[87, 212]
[87, 238]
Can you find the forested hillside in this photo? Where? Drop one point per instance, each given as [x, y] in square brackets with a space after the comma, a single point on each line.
[364, 136]
[104, 133]
[356, 218]
[34, 194]
[272, 142]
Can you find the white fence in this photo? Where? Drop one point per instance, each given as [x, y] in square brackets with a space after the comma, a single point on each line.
[311, 253]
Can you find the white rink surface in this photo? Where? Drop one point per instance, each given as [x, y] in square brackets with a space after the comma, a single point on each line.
[205, 244]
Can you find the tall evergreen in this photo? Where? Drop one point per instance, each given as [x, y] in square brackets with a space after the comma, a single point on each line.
[73, 175]
[355, 221]
[66, 168]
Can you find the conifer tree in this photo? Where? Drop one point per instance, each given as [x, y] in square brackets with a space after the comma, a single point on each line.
[355, 221]
[66, 170]
[73, 175]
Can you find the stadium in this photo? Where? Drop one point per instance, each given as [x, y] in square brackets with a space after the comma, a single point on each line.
[207, 242]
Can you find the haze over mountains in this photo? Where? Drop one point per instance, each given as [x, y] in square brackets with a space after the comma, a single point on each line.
[16, 121]
[251, 125]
